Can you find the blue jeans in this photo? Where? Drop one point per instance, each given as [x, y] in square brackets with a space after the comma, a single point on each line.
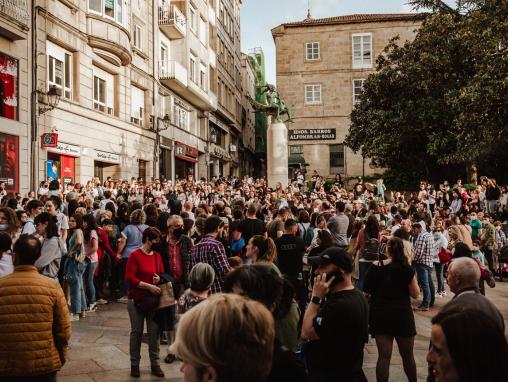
[78, 297]
[363, 268]
[439, 276]
[90, 269]
[424, 276]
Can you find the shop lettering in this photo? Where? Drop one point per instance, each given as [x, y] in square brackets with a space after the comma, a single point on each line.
[312, 134]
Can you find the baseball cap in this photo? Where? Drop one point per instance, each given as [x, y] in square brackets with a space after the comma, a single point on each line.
[333, 255]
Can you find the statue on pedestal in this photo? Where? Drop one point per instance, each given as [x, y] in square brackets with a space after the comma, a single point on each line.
[277, 135]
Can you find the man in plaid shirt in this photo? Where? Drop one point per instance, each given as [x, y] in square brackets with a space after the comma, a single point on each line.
[211, 251]
[423, 249]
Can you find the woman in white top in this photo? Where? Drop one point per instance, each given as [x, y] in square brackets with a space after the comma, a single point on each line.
[6, 266]
[48, 263]
[440, 242]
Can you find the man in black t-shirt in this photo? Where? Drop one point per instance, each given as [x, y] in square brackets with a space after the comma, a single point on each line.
[251, 225]
[290, 251]
[336, 321]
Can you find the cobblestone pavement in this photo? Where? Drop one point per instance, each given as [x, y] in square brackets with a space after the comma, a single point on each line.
[100, 346]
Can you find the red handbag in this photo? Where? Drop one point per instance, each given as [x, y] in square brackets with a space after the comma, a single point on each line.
[444, 256]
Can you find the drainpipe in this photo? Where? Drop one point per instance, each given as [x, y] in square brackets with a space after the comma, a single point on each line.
[33, 107]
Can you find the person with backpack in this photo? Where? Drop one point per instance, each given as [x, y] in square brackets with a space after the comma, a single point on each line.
[305, 230]
[368, 246]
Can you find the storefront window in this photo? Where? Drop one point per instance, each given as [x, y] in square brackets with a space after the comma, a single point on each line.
[9, 161]
[8, 87]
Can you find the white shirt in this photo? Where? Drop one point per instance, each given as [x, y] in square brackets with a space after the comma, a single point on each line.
[6, 266]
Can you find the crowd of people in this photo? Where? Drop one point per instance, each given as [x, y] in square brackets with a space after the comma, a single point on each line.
[269, 284]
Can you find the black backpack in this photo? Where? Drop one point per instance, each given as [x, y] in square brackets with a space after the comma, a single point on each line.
[371, 248]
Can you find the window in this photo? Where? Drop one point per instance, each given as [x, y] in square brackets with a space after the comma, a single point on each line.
[312, 51]
[192, 69]
[362, 50]
[137, 105]
[193, 19]
[164, 106]
[112, 9]
[337, 159]
[202, 77]
[59, 69]
[357, 90]
[312, 94]
[296, 150]
[103, 91]
[164, 60]
[202, 31]
[9, 68]
[180, 117]
[137, 36]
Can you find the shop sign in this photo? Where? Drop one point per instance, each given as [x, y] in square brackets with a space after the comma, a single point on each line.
[9, 161]
[184, 150]
[66, 149]
[49, 140]
[312, 134]
[103, 156]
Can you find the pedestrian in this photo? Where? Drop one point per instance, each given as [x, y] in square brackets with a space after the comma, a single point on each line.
[390, 284]
[75, 267]
[423, 247]
[52, 250]
[225, 339]
[142, 274]
[6, 264]
[336, 321]
[35, 347]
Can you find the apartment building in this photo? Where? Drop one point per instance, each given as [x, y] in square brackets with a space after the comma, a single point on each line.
[15, 84]
[225, 122]
[321, 67]
[248, 141]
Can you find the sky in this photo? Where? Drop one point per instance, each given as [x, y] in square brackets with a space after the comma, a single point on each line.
[258, 17]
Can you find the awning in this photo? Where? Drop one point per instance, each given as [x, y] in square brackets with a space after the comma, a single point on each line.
[295, 160]
[187, 159]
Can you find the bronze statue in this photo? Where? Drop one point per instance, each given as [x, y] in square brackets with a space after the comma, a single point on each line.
[274, 106]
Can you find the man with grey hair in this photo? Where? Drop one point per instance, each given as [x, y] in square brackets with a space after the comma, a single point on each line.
[463, 279]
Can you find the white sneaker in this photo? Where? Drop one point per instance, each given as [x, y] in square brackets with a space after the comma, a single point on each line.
[123, 300]
[440, 294]
[101, 301]
[92, 307]
[74, 317]
[443, 294]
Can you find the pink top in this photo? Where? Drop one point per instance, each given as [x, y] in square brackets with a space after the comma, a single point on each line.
[88, 247]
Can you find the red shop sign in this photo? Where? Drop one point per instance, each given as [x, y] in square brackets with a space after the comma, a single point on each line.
[49, 140]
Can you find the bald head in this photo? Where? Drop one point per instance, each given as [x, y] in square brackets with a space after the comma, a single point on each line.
[463, 273]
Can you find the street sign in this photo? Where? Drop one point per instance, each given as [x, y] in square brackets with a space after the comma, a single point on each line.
[49, 140]
[312, 134]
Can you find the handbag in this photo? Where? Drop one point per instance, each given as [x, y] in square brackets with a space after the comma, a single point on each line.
[148, 302]
[444, 256]
[167, 296]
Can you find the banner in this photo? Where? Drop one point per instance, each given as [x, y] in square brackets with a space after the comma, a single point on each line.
[67, 168]
[9, 161]
[8, 87]
[51, 169]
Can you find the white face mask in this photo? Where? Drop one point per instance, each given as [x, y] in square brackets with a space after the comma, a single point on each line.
[3, 227]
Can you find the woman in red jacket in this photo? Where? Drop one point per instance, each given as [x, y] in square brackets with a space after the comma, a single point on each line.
[142, 276]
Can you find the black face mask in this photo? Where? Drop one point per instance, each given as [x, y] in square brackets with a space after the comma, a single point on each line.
[178, 232]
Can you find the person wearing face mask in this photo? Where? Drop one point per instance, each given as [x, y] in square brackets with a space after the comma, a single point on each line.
[9, 222]
[48, 263]
[336, 320]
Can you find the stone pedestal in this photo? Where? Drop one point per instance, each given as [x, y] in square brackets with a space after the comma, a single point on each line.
[277, 154]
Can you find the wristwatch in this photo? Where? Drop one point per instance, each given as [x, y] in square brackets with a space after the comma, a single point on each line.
[315, 300]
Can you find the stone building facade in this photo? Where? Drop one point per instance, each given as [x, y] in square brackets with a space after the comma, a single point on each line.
[321, 66]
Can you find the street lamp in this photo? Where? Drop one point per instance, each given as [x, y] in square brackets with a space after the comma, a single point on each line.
[213, 135]
[157, 128]
[53, 98]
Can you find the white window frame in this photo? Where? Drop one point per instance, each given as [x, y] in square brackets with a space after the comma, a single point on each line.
[118, 15]
[203, 31]
[203, 77]
[137, 105]
[180, 117]
[313, 46]
[164, 105]
[138, 36]
[193, 19]
[109, 81]
[362, 64]
[315, 91]
[355, 95]
[56, 53]
[192, 68]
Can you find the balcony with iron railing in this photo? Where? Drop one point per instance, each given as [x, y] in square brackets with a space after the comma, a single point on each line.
[15, 12]
[172, 22]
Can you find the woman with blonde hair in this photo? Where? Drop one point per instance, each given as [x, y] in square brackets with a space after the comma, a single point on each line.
[226, 338]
